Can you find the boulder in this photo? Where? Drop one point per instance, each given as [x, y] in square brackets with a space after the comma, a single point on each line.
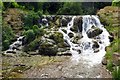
[116, 59]
[78, 22]
[71, 35]
[94, 32]
[47, 48]
[65, 20]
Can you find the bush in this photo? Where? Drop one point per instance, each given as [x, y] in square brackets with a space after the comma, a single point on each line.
[6, 44]
[38, 31]
[30, 19]
[34, 45]
[7, 36]
[30, 36]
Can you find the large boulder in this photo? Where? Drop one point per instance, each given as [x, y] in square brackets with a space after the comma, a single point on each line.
[78, 22]
[48, 48]
[94, 32]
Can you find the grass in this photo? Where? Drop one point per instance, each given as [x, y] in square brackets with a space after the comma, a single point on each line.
[114, 47]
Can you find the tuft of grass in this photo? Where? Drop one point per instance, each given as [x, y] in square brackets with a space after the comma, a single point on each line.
[116, 73]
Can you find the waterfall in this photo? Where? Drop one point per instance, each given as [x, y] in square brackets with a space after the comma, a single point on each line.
[15, 46]
[85, 48]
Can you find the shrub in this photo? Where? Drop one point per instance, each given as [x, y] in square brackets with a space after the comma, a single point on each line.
[7, 36]
[38, 31]
[30, 19]
[30, 35]
[34, 45]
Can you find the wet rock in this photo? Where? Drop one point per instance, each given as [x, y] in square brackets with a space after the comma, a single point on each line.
[111, 37]
[104, 61]
[74, 28]
[64, 30]
[116, 59]
[95, 45]
[78, 22]
[65, 20]
[66, 53]
[96, 50]
[66, 44]
[94, 32]
[10, 51]
[71, 35]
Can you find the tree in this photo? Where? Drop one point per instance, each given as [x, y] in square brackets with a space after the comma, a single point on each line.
[116, 3]
[71, 8]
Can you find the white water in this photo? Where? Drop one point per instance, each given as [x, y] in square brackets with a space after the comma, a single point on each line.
[85, 44]
[14, 46]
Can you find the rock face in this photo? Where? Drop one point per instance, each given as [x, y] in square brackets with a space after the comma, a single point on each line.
[116, 59]
[110, 15]
[13, 17]
[78, 22]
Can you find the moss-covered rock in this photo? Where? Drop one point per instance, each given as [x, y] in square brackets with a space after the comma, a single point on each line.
[48, 48]
[109, 15]
[57, 37]
[94, 32]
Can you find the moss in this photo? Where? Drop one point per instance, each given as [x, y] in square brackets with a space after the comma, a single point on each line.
[48, 48]
[57, 37]
[34, 45]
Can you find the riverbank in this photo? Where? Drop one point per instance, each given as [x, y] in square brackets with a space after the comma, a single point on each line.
[50, 67]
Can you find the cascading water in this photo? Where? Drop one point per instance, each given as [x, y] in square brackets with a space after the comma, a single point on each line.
[15, 46]
[85, 48]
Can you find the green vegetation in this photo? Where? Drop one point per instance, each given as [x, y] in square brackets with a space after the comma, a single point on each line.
[32, 18]
[116, 3]
[113, 48]
[32, 12]
[7, 36]
[75, 8]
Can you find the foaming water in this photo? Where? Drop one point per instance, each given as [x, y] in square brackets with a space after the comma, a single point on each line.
[84, 49]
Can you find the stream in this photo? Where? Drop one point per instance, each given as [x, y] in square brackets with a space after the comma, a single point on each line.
[87, 52]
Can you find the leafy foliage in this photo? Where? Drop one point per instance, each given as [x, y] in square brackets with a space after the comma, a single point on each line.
[31, 18]
[116, 3]
[30, 35]
[7, 36]
[71, 8]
